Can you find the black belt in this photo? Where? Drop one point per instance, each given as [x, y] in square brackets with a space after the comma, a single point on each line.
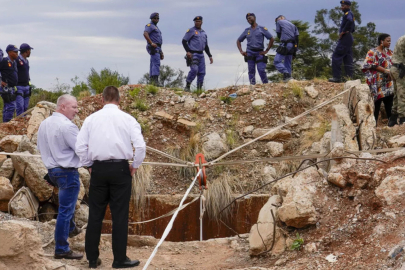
[20, 84]
[19, 94]
[288, 41]
[159, 45]
[111, 161]
[196, 51]
[256, 50]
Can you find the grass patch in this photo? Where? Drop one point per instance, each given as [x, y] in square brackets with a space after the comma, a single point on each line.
[219, 195]
[297, 90]
[140, 184]
[151, 89]
[145, 127]
[134, 92]
[226, 100]
[232, 138]
[140, 104]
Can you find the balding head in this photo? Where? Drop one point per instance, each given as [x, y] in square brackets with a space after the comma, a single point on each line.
[67, 105]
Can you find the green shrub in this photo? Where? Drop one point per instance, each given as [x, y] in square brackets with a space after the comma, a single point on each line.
[227, 100]
[141, 105]
[98, 81]
[151, 89]
[134, 92]
[298, 242]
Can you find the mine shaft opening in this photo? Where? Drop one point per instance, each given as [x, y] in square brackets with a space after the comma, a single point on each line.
[186, 227]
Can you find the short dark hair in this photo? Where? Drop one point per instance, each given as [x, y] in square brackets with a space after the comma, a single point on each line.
[23, 51]
[111, 94]
[382, 37]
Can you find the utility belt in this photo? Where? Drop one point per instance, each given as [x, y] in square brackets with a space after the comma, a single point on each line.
[25, 95]
[191, 61]
[196, 51]
[9, 94]
[401, 68]
[252, 57]
[153, 49]
[283, 50]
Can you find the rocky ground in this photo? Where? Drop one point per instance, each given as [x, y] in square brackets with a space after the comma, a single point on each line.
[347, 213]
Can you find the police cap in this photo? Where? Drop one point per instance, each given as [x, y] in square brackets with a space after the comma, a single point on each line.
[12, 47]
[198, 18]
[346, 2]
[25, 47]
[153, 15]
[250, 14]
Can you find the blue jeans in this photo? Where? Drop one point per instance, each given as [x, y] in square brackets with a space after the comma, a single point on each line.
[67, 180]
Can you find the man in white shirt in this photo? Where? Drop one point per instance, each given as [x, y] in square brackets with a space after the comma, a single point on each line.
[56, 142]
[105, 145]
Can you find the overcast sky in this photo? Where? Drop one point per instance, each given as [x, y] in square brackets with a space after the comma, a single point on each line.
[71, 37]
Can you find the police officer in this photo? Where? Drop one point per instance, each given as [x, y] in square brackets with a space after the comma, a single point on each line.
[153, 37]
[288, 35]
[9, 79]
[255, 44]
[24, 84]
[1, 57]
[343, 52]
[195, 42]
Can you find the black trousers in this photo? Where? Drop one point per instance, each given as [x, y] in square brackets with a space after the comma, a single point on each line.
[388, 102]
[111, 184]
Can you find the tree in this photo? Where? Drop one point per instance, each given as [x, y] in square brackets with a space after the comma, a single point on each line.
[310, 61]
[98, 81]
[327, 24]
[169, 77]
[80, 86]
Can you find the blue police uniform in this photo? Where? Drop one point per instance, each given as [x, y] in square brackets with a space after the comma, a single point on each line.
[343, 52]
[24, 84]
[288, 34]
[1, 55]
[8, 70]
[156, 36]
[196, 41]
[255, 45]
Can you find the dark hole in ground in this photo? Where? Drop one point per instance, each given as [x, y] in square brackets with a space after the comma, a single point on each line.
[187, 224]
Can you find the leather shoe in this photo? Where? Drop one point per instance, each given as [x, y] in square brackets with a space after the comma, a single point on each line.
[125, 264]
[70, 255]
[94, 263]
[335, 80]
[75, 232]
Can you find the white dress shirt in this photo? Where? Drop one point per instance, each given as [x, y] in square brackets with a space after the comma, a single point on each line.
[56, 142]
[107, 134]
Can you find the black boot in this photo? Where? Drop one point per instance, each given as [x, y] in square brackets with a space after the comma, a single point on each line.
[393, 120]
[335, 80]
[187, 88]
[401, 120]
[199, 86]
[287, 77]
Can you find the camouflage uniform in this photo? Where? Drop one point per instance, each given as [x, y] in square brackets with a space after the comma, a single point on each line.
[399, 84]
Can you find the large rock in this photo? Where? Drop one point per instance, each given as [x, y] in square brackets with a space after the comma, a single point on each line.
[275, 149]
[269, 173]
[263, 230]
[85, 179]
[7, 169]
[17, 181]
[258, 104]
[311, 91]
[392, 189]
[277, 135]
[33, 171]
[365, 118]
[6, 193]
[214, 146]
[343, 129]
[26, 145]
[2, 159]
[10, 143]
[396, 141]
[298, 209]
[82, 215]
[41, 111]
[24, 204]
[189, 103]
